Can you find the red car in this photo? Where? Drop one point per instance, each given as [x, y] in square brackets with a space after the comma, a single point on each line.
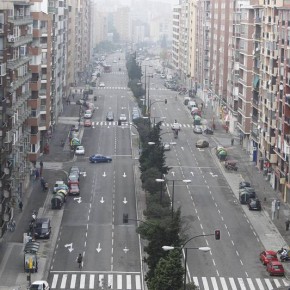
[275, 268]
[267, 256]
[88, 123]
[74, 189]
[73, 179]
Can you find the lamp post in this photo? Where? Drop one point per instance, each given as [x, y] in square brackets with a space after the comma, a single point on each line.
[203, 249]
[173, 192]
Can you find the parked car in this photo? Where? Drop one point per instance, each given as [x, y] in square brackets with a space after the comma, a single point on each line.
[88, 123]
[163, 76]
[42, 228]
[74, 189]
[98, 158]
[166, 146]
[39, 285]
[267, 256]
[202, 143]
[80, 150]
[245, 194]
[275, 268]
[197, 129]
[243, 184]
[122, 118]
[88, 114]
[74, 169]
[58, 184]
[61, 187]
[73, 179]
[208, 131]
[254, 204]
[110, 116]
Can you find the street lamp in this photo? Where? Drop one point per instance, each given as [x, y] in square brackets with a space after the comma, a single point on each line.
[173, 185]
[203, 249]
[160, 180]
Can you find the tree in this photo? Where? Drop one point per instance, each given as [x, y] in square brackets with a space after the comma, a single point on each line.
[168, 274]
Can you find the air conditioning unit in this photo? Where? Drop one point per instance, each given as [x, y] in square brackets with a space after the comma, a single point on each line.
[11, 38]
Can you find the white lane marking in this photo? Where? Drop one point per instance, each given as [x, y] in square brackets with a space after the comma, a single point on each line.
[233, 284]
[214, 283]
[73, 281]
[268, 283]
[242, 284]
[205, 284]
[224, 284]
[63, 281]
[128, 279]
[119, 282]
[195, 280]
[137, 282]
[83, 281]
[92, 281]
[259, 282]
[54, 281]
[251, 284]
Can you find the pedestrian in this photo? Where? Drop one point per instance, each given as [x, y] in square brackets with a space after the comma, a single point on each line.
[232, 141]
[20, 204]
[41, 167]
[80, 260]
[287, 223]
[36, 173]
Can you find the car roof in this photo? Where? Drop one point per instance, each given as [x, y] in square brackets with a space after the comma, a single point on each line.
[270, 252]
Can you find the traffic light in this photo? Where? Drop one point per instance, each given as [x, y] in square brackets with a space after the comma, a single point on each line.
[165, 101]
[217, 234]
[125, 218]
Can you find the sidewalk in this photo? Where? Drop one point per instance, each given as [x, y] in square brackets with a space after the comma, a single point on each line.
[12, 274]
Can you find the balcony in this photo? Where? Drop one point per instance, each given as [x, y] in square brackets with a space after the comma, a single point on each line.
[16, 42]
[20, 20]
[19, 82]
[34, 138]
[16, 63]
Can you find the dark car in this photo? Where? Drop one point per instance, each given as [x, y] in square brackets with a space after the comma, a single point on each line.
[254, 204]
[245, 194]
[97, 158]
[110, 116]
[243, 184]
[42, 228]
[201, 143]
[208, 131]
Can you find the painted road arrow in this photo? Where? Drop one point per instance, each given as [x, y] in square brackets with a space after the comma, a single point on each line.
[104, 175]
[69, 246]
[124, 175]
[78, 199]
[213, 175]
[191, 173]
[173, 173]
[126, 250]
[102, 200]
[125, 200]
[99, 248]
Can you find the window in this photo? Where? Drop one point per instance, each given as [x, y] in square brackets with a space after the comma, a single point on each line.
[2, 22]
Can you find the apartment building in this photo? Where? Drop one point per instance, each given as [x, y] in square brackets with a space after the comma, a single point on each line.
[175, 36]
[15, 39]
[41, 80]
[200, 72]
[122, 23]
[183, 40]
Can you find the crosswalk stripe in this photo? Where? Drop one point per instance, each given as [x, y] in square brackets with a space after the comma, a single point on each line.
[277, 284]
[268, 283]
[195, 280]
[285, 282]
[63, 281]
[83, 281]
[259, 282]
[119, 282]
[205, 284]
[250, 282]
[73, 281]
[233, 284]
[92, 281]
[242, 284]
[138, 282]
[224, 284]
[128, 279]
[110, 281]
[54, 281]
[101, 280]
[214, 283]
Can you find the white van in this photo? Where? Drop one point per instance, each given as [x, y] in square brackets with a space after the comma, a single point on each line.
[191, 104]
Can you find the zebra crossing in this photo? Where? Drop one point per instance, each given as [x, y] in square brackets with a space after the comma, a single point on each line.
[115, 123]
[126, 88]
[228, 283]
[96, 280]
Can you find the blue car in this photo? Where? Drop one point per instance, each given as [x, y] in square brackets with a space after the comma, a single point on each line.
[97, 158]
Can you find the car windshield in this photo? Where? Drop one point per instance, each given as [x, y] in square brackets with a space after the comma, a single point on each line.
[36, 287]
[270, 256]
[41, 225]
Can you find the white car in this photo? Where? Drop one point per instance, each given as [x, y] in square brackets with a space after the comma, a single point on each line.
[166, 146]
[57, 184]
[101, 85]
[123, 118]
[80, 150]
[176, 126]
[39, 285]
[88, 114]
